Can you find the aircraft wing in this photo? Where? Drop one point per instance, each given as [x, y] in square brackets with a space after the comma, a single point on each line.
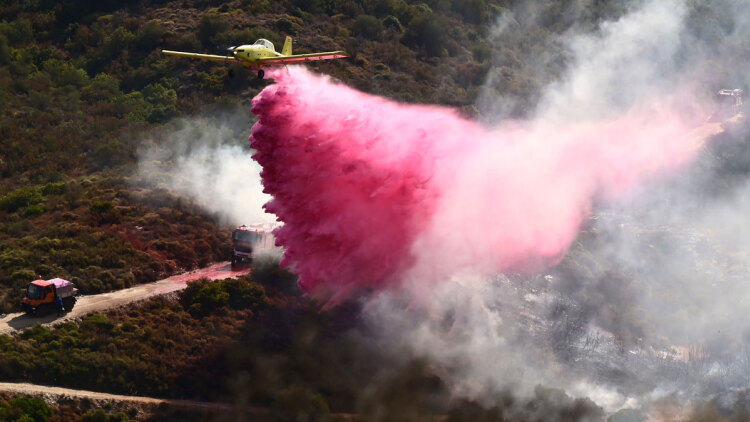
[208, 57]
[301, 58]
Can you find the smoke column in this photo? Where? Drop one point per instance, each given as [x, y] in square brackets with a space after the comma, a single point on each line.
[373, 193]
[201, 159]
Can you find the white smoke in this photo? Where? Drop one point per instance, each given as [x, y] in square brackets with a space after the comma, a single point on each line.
[208, 160]
[625, 62]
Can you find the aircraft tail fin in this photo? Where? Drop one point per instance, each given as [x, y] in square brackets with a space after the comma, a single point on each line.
[287, 50]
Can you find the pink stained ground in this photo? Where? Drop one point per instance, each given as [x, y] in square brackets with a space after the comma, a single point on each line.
[371, 191]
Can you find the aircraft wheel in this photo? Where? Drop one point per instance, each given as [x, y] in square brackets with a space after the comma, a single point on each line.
[261, 73]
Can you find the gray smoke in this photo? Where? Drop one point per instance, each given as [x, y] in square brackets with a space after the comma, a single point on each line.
[649, 305]
[207, 158]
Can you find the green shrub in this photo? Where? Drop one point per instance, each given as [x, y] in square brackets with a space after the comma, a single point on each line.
[115, 44]
[4, 50]
[102, 88]
[482, 53]
[244, 294]
[202, 297]
[18, 32]
[300, 404]
[405, 12]
[157, 94]
[13, 259]
[65, 74]
[161, 102]
[100, 207]
[104, 212]
[33, 211]
[428, 32]
[20, 198]
[286, 25]
[473, 11]
[98, 321]
[188, 42]
[150, 35]
[368, 27]
[311, 6]
[213, 82]
[99, 415]
[138, 78]
[54, 188]
[393, 23]
[46, 245]
[23, 276]
[267, 272]
[380, 7]
[108, 155]
[28, 408]
[210, 25]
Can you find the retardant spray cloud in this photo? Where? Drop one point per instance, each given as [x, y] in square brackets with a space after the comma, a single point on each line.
[372, 192]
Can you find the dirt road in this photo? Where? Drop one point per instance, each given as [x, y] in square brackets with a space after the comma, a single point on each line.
[57, 392]
[102, 302]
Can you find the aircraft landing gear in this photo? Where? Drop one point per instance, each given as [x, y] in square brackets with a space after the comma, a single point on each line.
[261, 73]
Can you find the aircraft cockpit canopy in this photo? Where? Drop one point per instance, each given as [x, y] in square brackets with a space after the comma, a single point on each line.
[265, 43]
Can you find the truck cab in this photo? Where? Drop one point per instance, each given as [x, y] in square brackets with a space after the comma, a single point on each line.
[245, 242]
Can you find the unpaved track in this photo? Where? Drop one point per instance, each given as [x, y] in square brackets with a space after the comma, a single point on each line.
[105, 301]
[56, 393]
[242, 412]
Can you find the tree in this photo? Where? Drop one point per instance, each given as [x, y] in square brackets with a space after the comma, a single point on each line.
[368, 27]
[28, 408]
[20, 198]
[426, 31]
[210, 26]
[473, 11]
[4, 50]
[150, 35]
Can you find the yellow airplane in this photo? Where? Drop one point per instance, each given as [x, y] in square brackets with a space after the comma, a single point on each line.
[260, 54]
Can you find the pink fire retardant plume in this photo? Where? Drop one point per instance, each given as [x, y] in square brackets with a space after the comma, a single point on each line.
[372, 192]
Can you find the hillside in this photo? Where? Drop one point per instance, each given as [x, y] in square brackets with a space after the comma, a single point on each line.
[84, 91]
[82, 85]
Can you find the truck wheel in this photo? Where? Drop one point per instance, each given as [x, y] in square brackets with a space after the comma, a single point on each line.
[234, 260]
[68, 303]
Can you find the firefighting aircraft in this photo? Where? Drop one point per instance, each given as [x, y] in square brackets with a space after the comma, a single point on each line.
[260, 54]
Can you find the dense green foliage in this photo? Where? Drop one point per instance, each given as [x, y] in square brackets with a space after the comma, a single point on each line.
[25, 409]
[150, 350]
[101, 234]
[35, 409]
[220, 339]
